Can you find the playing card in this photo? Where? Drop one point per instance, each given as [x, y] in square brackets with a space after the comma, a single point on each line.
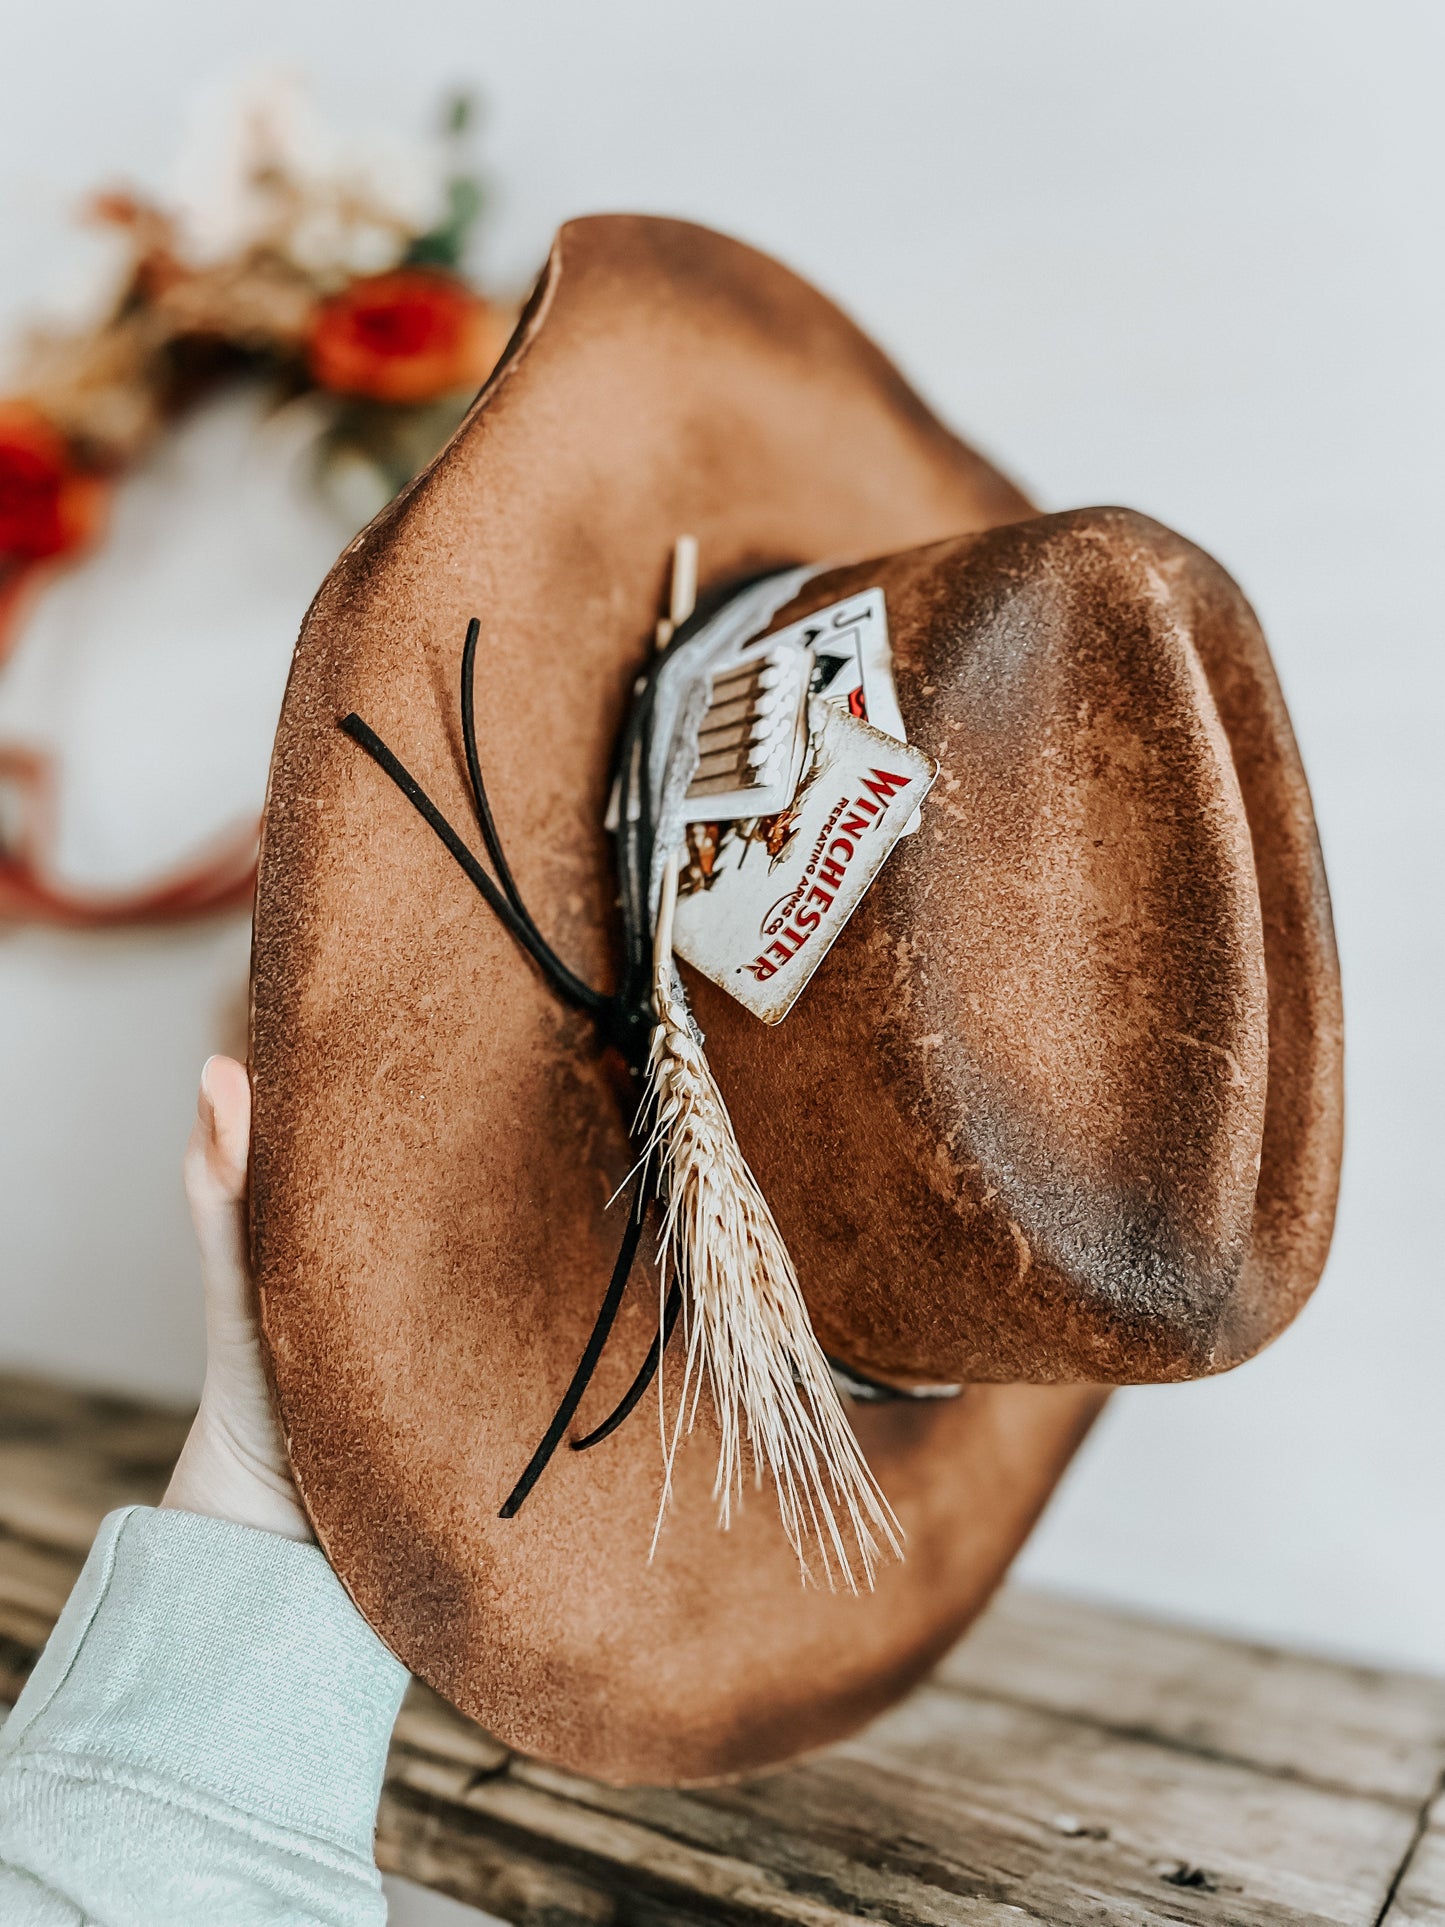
[762, 901]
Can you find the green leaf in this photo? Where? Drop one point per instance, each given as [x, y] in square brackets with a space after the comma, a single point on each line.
[445, 245]
[458, 113]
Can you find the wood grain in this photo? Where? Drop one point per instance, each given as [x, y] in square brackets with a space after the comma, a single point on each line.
[1068, 1765]
[1419, 1896]
[1350, 1726]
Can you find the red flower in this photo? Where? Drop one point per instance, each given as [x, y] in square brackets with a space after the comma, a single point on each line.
[47, 507]
[403, 337]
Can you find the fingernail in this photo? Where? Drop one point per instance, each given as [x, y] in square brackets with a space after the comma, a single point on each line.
[206, 1104]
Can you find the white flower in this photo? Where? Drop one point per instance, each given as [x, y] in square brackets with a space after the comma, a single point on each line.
[260, 167]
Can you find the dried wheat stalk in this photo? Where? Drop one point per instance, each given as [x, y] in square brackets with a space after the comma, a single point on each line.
[748, 1334]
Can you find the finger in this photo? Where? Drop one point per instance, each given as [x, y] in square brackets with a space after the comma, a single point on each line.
[217, 1155]
[215, 1177]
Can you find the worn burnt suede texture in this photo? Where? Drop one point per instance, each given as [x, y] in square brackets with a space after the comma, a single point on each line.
[1061, 1109]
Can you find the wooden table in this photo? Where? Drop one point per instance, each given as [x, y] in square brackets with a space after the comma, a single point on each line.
[1066, 1765]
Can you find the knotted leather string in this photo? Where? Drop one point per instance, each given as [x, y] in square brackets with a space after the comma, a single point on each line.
[624, 1019]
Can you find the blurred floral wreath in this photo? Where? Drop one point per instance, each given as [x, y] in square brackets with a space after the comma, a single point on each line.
[327, 276]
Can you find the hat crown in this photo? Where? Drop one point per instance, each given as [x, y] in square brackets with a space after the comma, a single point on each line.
[1055, 994]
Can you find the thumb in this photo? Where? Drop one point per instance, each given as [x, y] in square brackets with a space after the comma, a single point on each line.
[215, 1177]
[233, 1465]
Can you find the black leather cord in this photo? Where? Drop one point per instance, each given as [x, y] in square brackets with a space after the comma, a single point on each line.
[624, 1019]
[588, 1362]
[474, 771]
[646, 1372]
[521, 926]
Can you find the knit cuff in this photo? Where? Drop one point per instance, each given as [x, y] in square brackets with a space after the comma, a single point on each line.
[228, 1661]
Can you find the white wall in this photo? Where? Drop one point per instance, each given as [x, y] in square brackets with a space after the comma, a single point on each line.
[1184, 257]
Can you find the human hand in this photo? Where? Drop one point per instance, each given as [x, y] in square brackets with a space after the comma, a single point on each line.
[233, 1464]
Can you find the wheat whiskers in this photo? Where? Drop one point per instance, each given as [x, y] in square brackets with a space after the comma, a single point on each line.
[747, 1333]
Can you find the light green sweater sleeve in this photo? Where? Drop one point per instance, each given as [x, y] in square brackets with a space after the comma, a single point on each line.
[202, 1741]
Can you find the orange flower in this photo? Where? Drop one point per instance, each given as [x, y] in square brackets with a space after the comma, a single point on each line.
[47, 506]
[403, 337]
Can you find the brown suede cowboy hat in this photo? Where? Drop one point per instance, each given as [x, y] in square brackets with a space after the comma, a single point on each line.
[1059, 1109]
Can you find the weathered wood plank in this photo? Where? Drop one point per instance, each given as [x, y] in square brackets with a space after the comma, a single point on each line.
[35, 1582]
[946, 1805]
[939, 1813]
[429, 1727]
[1349, 1726]
[67, 1457]
[438, 1847]
[1069, 1766]
[1419, 1899]
[618, 1851]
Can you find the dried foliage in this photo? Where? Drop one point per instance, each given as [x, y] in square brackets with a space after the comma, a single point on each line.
[321, 268]
[748, 1335]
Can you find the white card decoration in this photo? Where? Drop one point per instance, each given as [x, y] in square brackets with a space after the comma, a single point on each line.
[765, 900]
[852, 660]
